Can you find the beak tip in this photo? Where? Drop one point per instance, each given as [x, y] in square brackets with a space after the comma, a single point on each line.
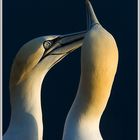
[91, 13]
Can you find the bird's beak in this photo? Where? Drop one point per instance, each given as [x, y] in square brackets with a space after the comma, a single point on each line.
[64, 44]
[91, 16]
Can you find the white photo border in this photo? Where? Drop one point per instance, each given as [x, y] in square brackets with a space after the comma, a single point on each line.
[1, 31]
[138, 37]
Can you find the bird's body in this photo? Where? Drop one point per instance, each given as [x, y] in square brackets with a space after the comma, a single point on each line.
[30, 66]
[99, 59]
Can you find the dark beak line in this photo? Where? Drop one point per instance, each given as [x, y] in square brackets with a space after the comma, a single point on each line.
[64, 40]
[70, 38]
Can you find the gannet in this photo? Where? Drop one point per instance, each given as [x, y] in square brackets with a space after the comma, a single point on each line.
[29, 68]
[99, 60]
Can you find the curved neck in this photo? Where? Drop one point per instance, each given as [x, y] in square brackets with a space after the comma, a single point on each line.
[26, 109]
[93, 94]
[84, 117]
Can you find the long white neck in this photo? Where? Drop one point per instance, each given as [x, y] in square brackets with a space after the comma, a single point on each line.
[84, 117]
[25, 93]
[99, 59]
[26, 114]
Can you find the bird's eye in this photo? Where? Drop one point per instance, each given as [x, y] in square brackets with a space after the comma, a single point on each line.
[47, 44]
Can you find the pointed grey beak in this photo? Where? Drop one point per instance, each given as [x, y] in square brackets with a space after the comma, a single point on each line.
[64, 44]
[91, 16]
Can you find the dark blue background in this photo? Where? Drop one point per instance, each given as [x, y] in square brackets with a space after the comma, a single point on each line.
[28, 19]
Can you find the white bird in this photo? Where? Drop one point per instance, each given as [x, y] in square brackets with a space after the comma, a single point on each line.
[29, 68]
[99, 60]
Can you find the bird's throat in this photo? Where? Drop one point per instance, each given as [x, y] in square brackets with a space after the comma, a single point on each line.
[87, 109]
[26, 109]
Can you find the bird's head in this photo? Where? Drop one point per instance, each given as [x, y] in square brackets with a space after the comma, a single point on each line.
[39, 55]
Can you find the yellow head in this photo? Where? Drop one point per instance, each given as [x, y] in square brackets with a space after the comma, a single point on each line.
[39, 55]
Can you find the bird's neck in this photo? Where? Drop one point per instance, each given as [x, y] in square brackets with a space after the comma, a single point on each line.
[93, 94]
[84, 117]
[26, 113]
